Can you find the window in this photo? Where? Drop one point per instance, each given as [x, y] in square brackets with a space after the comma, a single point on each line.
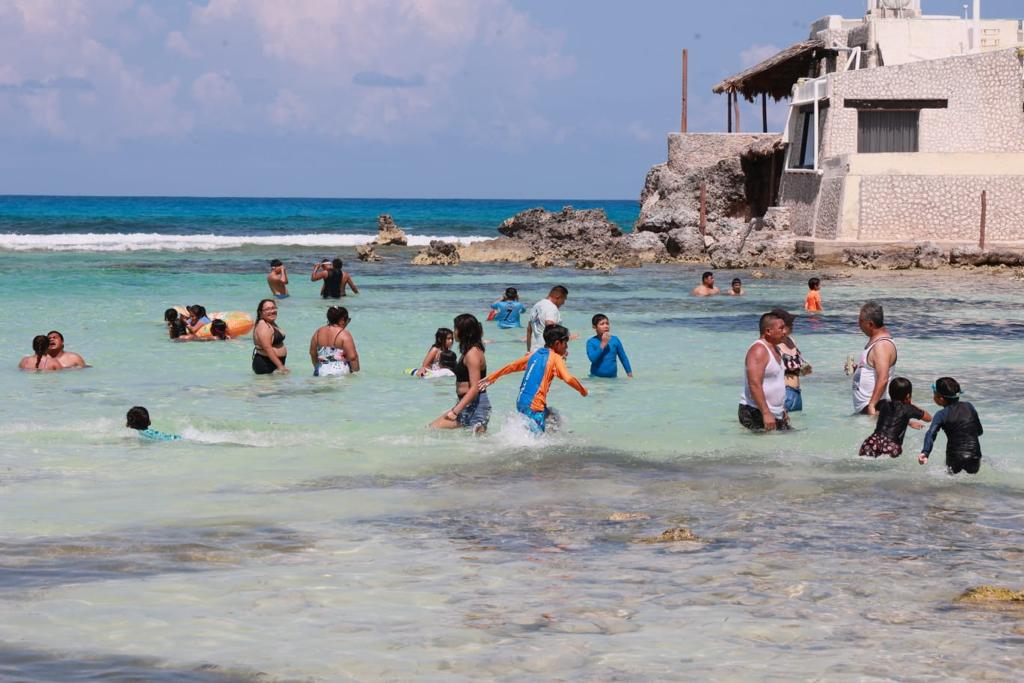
[887, 131]
[802, 154]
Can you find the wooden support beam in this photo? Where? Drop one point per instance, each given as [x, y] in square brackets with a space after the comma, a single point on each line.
[764, 112]
[686, 66]
[984, 218]
[728, 112]
[736, 110]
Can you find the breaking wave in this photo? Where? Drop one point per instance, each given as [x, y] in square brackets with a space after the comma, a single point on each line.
[139, 241]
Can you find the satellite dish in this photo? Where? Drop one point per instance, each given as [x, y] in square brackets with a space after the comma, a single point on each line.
[895, 4]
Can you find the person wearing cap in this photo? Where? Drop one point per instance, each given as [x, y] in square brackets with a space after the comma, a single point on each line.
[762, 403]
[793, 362]
[278, 279]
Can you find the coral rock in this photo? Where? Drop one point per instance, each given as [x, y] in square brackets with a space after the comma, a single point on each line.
[388, 233]
[366, 252]
[438, 254]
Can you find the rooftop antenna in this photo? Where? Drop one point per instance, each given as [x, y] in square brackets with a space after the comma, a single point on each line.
[965, 11]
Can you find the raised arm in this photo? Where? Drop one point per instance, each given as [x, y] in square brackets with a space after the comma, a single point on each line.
[596, 350]
[515, 366]
[319, 273]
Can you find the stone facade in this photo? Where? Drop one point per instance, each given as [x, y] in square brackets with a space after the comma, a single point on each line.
[690, 151]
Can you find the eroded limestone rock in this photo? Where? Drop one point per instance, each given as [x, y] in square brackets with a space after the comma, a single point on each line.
[388, 233]
[367, 252]
[673, 535]
[992, 594]
[439, 253]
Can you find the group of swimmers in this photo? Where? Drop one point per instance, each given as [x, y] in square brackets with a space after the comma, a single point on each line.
[49, 355]
[707, 288]
[187, 326]
[330, 273]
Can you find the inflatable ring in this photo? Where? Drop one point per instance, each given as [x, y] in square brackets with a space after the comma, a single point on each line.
[239, 323]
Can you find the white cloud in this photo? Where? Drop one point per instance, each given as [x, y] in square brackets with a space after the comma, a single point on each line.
[755, 54]
[176, 42]
[216, 91]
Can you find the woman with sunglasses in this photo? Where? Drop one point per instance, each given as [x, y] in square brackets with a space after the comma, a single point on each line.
[269, 353]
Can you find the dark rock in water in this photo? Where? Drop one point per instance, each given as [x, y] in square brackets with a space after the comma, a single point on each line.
[585, 238]
[388, 233]
[974, 256]
[438, 254]
[367, 252]
[673, 535]
[927, 256]
[992, 594]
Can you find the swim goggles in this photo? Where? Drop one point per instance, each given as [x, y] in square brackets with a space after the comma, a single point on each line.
[935, 390]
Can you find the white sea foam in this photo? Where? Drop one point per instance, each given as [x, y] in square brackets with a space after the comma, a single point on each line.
[140, 241]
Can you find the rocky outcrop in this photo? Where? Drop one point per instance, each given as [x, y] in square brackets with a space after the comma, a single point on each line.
[388, 233]
[438, 254]
[673, 535]
[992, 594]
[927, 256]
[975, 256]
[367, 252]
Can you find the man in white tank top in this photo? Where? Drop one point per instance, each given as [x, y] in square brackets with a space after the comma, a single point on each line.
[876, 367]
[762, 403]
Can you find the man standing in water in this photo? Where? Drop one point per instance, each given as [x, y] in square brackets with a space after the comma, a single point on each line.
[544, 314]
[762, 404]
[67, 359]
[335, 279]
[706, 286]
[878, 360]
[278, 279]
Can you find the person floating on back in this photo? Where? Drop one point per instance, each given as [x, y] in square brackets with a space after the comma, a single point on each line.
[138, 418]
[895, 414]
[540, 368]
[960, 421]
[605, 350]
[506, 312]
[813, 301]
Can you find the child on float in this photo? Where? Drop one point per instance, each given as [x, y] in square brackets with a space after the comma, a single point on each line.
[440, 359]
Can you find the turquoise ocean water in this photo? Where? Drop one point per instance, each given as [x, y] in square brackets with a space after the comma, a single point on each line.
[313, 529]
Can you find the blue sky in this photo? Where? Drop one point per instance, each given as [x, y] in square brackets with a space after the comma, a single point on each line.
[372, 98]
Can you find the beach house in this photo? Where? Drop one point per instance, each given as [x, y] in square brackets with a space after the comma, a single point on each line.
[901, 126]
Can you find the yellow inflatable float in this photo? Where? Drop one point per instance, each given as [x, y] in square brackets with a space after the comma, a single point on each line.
[238, 322]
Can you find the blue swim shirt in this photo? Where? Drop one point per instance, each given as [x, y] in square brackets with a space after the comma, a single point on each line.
[603, 361]
[154, 435]
[508, 314]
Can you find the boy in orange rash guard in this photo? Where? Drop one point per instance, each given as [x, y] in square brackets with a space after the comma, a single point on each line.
[813, 301]
[540, 368]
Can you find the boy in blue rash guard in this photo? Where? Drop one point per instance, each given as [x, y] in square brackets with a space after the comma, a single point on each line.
[605, 350]
[508, 310]
[960, 421]
[138, 418]
[539, 368]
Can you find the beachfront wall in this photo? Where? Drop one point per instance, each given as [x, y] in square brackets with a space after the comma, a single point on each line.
[970, 138]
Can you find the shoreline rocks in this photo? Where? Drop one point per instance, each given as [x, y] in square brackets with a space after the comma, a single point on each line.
[438, 253]
[388, 233]
[367, 252]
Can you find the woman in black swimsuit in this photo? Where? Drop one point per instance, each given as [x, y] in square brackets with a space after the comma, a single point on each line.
[269, 353]
[473, 409]
[793, 363]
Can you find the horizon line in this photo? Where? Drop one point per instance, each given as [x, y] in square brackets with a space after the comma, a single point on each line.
[198, 196]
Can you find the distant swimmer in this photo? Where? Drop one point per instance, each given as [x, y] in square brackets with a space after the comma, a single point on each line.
[67, 359]
[762, 403]
[540, 368]
[871, 376]
[138, 419]
[332, 348]
[506, 312]
[895, 414]
[40, 361]
[334, 277]
[962, 425]
[473, 410]
[269, 354]
[813, 300]
[544, 314]
[737, 287]
[277, 279]
[706, 286]
[431, 365]
[605, 350]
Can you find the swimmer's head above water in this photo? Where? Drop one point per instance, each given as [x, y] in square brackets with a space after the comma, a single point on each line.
[556, 338]
[138, 418]
[900, 390]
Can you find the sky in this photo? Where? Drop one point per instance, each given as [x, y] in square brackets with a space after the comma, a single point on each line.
[373, 98]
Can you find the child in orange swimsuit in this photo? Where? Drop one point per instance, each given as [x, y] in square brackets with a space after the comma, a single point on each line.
[813, 301]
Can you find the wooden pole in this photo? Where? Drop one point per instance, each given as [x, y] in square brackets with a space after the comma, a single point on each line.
[728, 112]
[703, 209]
[764, 112]
[736, 109]
[686, 74]
[984, 218]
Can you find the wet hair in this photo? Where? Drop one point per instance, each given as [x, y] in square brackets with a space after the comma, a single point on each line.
[597, 318]
[259, 309]
[554, 334]
[511, 294]
[138, 418]
[766, 321]
[219, 329]
[948, 388]
[56, 333]
[558, 290]
[899, 389]
[447, 359]
[40, 344]
[873, 313]
[335, 314]
[178, 328]
[198, 311]
[336, 264]
[814, 283]
[705, 275]
[170, 315]
[737, 281]
[441, 337]
[470, 331]
[784, 315]
[275, 263]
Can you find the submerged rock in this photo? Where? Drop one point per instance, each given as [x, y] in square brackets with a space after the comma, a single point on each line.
[673, 535]
[992, 594]
[628, 516]
[388, 233]
[438, 254]
[367, 252]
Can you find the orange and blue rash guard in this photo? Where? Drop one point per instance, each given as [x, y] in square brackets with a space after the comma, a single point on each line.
[540, 368]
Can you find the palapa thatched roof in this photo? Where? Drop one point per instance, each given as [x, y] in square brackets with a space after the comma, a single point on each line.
[776, 75]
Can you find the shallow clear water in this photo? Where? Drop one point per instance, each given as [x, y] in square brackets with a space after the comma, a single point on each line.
[315, 530]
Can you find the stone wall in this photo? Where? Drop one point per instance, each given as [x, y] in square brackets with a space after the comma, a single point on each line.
[985, 93]
[691, 151]
[799, 193]
[940, 207]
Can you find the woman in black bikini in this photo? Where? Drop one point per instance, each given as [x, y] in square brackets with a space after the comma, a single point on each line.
[473, 409]
[269, 353]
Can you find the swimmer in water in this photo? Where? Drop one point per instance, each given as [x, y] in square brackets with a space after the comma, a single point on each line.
[605, 350]
[706, 286]
[138, 419]
[277, 279]
[960, 421]
[443, 340]
[895, 414]
[737, 287]
[539, 369]
[40, 361]
[506, 312]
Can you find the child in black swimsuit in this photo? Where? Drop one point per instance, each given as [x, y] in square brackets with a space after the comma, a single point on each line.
[960, 421]
[895, 414]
